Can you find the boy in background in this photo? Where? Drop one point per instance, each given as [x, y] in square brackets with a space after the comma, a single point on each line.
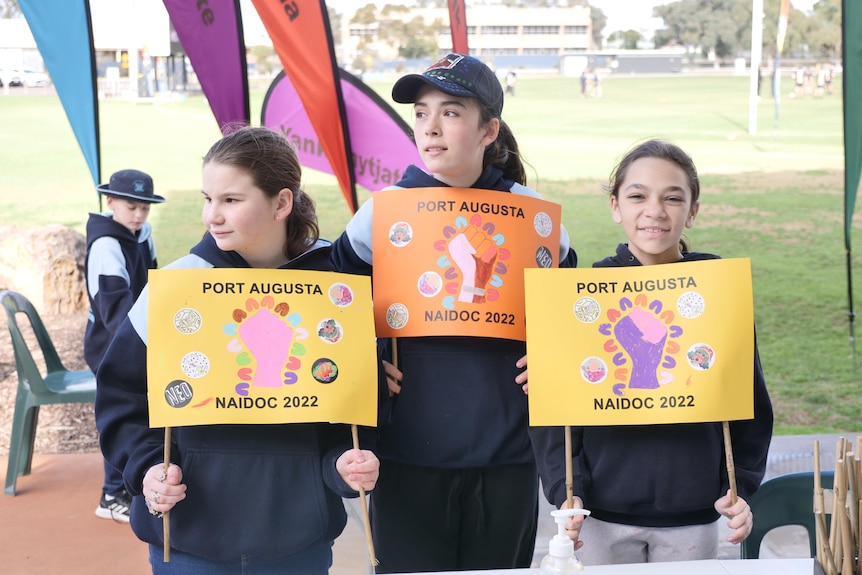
[120, 252]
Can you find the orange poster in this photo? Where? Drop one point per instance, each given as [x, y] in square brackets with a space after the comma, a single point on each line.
[450, 261]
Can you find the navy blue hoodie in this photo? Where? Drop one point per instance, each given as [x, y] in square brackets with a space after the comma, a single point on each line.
[459, 406]
[116, 269]
[659, 475]
[259, 490]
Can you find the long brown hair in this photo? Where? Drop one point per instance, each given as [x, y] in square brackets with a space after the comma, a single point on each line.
[271, 161]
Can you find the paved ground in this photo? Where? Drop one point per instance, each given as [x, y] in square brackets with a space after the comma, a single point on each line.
[50, 528]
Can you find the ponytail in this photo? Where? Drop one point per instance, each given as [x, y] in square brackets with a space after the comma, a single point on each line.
[503, 153]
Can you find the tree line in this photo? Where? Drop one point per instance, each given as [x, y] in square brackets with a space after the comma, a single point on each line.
[723, 28]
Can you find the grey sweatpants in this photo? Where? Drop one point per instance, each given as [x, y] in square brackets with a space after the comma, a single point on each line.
[612, 543]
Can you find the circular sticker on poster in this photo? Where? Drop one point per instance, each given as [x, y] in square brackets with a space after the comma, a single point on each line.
[187, 321]
[429, 284]
[700, 356]
[324, 370]
[544, 259]
[594, 370]
[397, 316]
[400, 234]
[690, 305]
[587, 309]
[195, 364]
[178, 393]
[340, 294]
[543, 224]
[330, 331]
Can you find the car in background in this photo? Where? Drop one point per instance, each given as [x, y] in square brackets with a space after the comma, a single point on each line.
[10, 77]
[34, 79]
[23, 77]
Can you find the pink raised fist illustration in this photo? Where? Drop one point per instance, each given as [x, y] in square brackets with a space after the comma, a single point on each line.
[268, 338]
[474, 253]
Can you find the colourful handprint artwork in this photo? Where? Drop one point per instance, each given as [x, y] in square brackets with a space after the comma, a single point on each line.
[266, 341]
[474, 261]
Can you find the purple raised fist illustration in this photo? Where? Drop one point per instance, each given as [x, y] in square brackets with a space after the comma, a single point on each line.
[643, 336]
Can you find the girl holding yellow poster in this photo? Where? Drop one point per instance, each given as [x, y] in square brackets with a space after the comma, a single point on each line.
[655, 492]
[458, 488]
[242, 498]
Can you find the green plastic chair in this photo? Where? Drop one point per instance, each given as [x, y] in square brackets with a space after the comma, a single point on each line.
[784, 500]
[59, 385]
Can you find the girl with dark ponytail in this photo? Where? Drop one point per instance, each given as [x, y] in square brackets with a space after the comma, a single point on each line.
[456, 445]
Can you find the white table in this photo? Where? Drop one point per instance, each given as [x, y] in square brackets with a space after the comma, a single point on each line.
[713, 567]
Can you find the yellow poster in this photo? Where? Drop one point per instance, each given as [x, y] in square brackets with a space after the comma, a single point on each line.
[641, 345]
[260, 346]
[450, 261]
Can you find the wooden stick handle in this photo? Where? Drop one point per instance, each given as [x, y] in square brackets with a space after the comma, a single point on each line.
[570, 497]
[166, 518]
[852, 496]
[834, 529]
[836, 538]
[848, 556]
[817, 481]
[857, 460]
[365, 519]
[824, 552]
[819, 535]
[728, 457]
[858, 539]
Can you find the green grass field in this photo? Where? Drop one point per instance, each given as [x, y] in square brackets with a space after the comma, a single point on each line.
[776, 197]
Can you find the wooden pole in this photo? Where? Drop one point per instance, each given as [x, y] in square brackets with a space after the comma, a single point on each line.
[833, 524]
[818, 507]
[366, 521]
[728, 458]
[858, 540]
[857, 459]
[848, 554]
[166, 517]
[857, 502]
[852, 498]
[823, 551]
[570, 483]
[838, 514]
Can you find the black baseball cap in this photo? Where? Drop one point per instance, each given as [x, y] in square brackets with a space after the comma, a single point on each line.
[456, 75]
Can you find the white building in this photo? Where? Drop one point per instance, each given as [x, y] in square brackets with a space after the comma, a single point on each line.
[130, 38]
[492, 30]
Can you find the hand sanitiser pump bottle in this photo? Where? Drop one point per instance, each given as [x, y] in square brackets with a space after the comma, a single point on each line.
[561, 558]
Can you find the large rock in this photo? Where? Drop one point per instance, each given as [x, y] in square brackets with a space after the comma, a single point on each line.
[46, 265]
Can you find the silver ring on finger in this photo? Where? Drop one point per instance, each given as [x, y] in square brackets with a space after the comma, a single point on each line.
[155, 497]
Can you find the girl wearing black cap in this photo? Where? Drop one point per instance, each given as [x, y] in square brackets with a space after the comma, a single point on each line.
[458, 488]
